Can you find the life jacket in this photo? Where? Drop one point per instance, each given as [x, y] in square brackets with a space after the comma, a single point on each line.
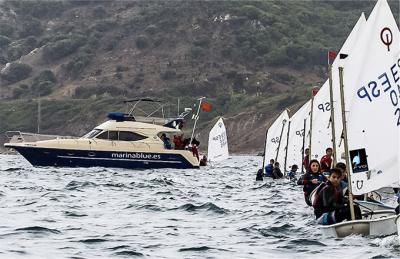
[314, 194]
[268, 170]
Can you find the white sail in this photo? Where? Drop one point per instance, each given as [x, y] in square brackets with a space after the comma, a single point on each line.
[373, 103]
[218, 142]
[275, 132]
[321, 137]
[346, 49]
[322, 127]
[299, 126]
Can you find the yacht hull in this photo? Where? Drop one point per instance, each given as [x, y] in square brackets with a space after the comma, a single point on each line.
[39, 156]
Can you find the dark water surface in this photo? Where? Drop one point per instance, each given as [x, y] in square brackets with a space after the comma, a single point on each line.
[215, 212]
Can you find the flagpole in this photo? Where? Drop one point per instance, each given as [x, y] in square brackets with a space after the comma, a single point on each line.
[346, 144]
[196, 119]
[332, 115]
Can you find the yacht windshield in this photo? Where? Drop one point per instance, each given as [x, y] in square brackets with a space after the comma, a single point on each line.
[92, 134]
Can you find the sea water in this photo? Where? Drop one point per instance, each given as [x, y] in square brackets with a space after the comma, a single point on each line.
[218, 211]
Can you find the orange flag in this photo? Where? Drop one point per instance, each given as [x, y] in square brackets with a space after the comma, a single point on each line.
[205, 106]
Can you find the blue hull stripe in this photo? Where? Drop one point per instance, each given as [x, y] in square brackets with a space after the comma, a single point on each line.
[90, 158]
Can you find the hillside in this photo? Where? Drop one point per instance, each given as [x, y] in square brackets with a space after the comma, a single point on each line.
[250, 59]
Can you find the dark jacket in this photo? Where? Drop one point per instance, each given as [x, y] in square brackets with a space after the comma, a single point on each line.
[330, 198]
[306, 180]
[259, 176]
[277, 173]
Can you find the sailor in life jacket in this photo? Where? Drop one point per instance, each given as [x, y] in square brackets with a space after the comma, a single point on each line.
[326, 161]
[269, 168]
[311, 180]
[292, 172]
[329, 203]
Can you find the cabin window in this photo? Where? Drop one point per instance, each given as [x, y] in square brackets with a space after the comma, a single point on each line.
[92, 133]
[113, 135]
[130, 136]
[103, 135]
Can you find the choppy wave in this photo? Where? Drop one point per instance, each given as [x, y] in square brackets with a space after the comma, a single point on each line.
[215, 212]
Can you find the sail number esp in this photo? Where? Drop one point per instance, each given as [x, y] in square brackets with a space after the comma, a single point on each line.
[374, 88]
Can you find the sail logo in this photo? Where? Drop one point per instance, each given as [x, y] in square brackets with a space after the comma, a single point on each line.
[358, 160]
[387, 83]
[387, 37]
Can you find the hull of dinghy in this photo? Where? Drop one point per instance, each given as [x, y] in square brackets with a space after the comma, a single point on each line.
[382, 223]
[367, 206]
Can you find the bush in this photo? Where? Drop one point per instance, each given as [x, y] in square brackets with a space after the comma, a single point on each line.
[151, 29]
[45, 76]
[104, 25]
[120, 68]
[3, 60]
[77, 64]
[251, 12]
[86, 92]
[21, 90]
[99, 12]
[4, 41]
[202, 41]
[31, 42]
[44, 82]
[118, 75]
[43, 88]
[37, 8]
[111, 45]
[62, 48]
[21, 47]
[169, 74]
[29, 27]
[283, 78]
[227, 52]
[6, 29]
[287, 101]
[142, 42]
[16, 72]
[197, 52]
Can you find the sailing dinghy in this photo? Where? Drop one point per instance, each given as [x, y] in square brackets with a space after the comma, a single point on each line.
[218, 142]
[372, 121]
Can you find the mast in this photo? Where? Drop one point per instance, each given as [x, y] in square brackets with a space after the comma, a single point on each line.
[280, 139]
[39, 113]
[265, 147]
[287, 144]
[304, 143]
[178, 107]
[332, 116]
[311, 124]
[346, 144]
